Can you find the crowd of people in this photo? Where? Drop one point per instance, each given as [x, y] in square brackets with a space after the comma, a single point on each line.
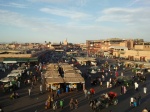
[109, 75]
[107, 78]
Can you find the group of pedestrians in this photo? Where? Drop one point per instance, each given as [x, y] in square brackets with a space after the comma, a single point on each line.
[89, 93]
[56, 104]
[73, 103]
[135, 101]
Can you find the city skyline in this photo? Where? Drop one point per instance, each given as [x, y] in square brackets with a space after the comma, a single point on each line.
[76, 20]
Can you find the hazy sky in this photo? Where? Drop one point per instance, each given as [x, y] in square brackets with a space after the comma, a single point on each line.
[76, 20]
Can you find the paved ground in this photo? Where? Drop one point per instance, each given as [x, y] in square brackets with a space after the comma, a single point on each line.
[35, 103]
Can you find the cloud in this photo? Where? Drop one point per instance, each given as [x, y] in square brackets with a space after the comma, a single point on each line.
[59, 1]
[50, 30]
[139, 2]
[49, 1]
[66, 2]
[81, 2]
[65, 13]
[12, 18]
[133, 2]
[18, 20]
[13, 4]
[126, 15]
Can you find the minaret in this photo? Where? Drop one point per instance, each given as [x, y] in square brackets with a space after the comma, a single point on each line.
[65, 42]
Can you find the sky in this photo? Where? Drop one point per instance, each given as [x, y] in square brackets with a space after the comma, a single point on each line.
[74, 20]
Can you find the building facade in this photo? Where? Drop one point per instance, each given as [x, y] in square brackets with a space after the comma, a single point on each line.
[96, 46]
[133, 55]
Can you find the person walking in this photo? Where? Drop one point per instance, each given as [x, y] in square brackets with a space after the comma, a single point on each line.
[124, 89]
[110, 80]
[48, 103]
[88, 94]
[145, 89]
[85, 92]
[139, 100]
[135, 85]
[29, 91]
[61, 103]
[92, 91]
[106, 74]
[52, 100]
[76, 103]
[131, 101]
[41, 89]
[18, 83]
[57, 92]
[135, 102]
[103, 78]
[99, 79]
[101, 84]
[47, 87]
[71, 103]
[116, 74]
[121, 73]
[107, 84]
[54, 105]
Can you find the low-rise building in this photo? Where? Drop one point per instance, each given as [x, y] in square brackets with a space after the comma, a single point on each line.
[96, 46]
[133, 55]
[142, 46]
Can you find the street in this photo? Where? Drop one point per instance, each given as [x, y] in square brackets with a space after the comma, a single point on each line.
[36, 102]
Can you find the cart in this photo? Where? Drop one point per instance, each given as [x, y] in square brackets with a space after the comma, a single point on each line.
[107, 99]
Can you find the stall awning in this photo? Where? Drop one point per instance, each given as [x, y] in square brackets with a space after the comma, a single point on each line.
[68, 75]
[10, 60]
[74, 80]
[54, 80]
[33, 59]
[15, 60]
[22, 59]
